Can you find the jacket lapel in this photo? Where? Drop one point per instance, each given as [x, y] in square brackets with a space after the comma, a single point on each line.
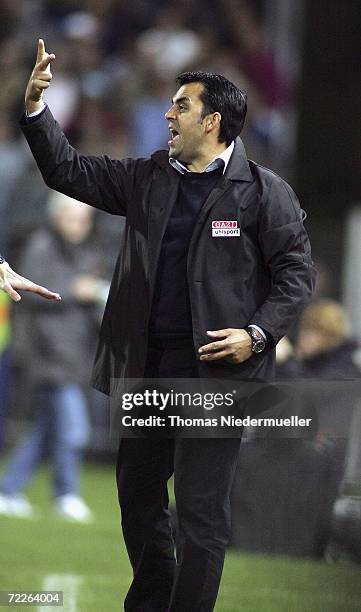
[237, 170]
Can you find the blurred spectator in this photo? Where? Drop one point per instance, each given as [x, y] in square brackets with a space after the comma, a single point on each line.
[327, 352]
[324, 345]
[59, 345]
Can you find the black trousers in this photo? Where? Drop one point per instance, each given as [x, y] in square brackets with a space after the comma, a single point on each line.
[203, 474]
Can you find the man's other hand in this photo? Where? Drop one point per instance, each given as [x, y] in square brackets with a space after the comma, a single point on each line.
[232, 345]
[10, 280]
[39, 79]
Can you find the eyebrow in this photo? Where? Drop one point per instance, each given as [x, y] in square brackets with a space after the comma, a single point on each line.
[182, 99]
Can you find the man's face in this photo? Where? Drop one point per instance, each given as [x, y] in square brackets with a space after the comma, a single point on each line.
[185, 123]
[74, 222]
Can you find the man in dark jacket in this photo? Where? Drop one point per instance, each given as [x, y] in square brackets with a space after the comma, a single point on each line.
[215, 266]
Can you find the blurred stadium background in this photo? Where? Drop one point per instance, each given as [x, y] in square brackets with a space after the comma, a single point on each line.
[113, 78]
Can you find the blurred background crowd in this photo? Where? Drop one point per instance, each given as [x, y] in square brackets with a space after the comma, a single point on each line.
[114, 76]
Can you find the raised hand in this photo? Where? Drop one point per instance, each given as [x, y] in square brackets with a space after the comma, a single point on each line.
[39, 79]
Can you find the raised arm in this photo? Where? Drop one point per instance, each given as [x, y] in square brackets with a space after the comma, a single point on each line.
[97, 180]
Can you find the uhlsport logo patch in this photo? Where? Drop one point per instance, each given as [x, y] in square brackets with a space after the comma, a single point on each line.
[225, 229]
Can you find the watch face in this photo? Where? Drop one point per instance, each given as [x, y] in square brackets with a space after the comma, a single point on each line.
[258, 346]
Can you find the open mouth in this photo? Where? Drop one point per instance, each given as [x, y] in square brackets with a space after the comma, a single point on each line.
[174, 137]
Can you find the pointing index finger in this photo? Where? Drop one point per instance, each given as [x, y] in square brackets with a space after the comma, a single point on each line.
[41, 50]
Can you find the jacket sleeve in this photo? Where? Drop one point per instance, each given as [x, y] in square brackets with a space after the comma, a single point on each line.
[96, 180]
[286, 251]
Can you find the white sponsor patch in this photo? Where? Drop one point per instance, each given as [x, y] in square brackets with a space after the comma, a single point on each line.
[225, 229]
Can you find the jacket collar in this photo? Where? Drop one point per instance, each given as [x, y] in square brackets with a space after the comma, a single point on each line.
[237, 169]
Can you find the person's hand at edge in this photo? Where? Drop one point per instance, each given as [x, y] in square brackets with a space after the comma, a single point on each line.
[39, 79]
[10, 281]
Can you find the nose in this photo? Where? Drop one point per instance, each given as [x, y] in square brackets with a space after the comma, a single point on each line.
[170, 113]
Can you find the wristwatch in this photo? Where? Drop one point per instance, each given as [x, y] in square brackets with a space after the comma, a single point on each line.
[258, 342]
[2, 260]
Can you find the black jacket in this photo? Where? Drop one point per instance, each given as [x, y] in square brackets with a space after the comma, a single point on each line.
[264, 276]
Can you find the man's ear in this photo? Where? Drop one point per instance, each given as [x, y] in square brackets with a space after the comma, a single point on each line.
[213, 121]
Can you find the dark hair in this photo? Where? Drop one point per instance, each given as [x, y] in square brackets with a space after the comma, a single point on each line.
[220, 95]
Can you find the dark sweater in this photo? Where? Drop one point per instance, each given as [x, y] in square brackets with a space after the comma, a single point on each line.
[171, 311]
